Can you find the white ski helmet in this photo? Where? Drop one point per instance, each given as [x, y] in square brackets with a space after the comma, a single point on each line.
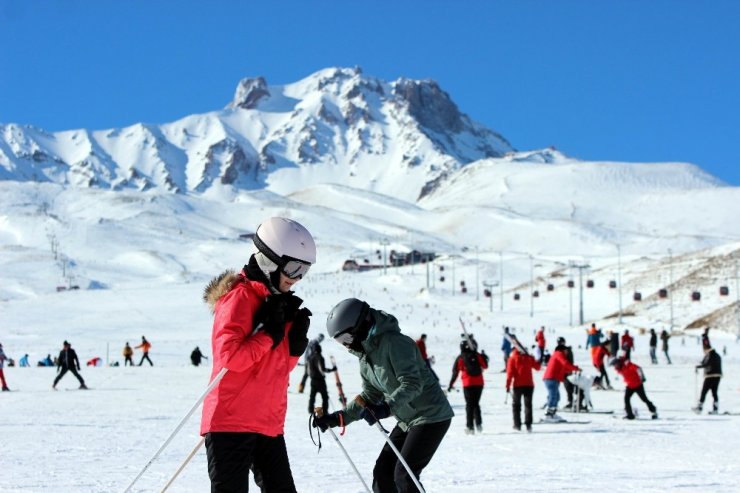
[286, 244]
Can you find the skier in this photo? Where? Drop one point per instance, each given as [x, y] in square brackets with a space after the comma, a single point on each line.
[712, 364]
[653, 346]
[705, 344]
[633, 379]
[613, 342]
[68, 361]
[555, 373]
[539, 338]
[128, 354]
[570, 386]
[23, 362]
[3, 358]
[506, 347]
[197, 356]
[311, 345]
[395, 381]
[519, 377]
[47, 361]
[471, 364]
[145, 347]
[628, 343]
[593, 339]
[421, 343]
[597, 357]
[316, 369]
[664, 336]
[259, 333]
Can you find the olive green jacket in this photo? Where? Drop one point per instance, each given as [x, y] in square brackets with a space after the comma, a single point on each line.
[393, 370]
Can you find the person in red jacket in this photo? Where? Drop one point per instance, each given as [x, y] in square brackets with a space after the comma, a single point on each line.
[539, 339]
[421, 343]
[519, 377]
[470, 363]
[633, 380]
[557, 368]
[597, 357]
[628, 344]
[259, 332]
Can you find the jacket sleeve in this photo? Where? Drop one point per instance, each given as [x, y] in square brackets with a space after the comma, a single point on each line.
[455, 371]
[403, 363]
[535, 363]
[482, 361]
[238, 348]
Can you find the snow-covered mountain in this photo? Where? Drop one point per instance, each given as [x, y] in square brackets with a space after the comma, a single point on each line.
[336, 125]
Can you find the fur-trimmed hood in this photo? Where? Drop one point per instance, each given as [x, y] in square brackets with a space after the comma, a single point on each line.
[219, 286]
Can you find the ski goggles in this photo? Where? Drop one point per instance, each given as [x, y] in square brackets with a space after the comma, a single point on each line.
[345, 338]
[295, 269]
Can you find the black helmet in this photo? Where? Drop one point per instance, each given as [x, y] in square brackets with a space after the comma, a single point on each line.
[561, 341]
[347, 316]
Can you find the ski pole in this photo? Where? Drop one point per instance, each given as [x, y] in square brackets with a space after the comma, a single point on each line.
[506, 399]
[208, 390]
[185, 463]
[319, 412]
[405, 464]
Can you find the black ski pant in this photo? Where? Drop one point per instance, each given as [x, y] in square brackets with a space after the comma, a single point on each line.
[65, 370]
[318, 386]
[472, 395]
[417, 447]
[146, 357]
[653, 357]
[640, 391]
[516, 403]
[710, 383]
[569, 389]
[604, 375]
[231, 455]
[665, 351]
[129, 361]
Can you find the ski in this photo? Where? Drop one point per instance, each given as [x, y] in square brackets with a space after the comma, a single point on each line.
[340, 391]
[471, 343]
[598, 411]
[561, 422]
[515, 342]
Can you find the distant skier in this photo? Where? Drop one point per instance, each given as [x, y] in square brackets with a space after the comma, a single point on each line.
[597, 358]
[145, 346]
[68, 361]
[664, 336]
[539, 339]
[306, 355]
[197, 356]
[395, 381]
[633, 380]
[506, 347]
[470, 364]
[555, 373]
[712, 364]
[96, 361]
[421, 343]
[128, 355]
[316, 370]
[23, 362]
[628, 344]
[519, 378]
[47, 361]
[593, 338]
[653, 346]
[3, 359]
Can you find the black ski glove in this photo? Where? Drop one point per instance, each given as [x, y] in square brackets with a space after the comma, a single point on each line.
[272, 316]
[328, 420]
[374, 412]
[297, 338]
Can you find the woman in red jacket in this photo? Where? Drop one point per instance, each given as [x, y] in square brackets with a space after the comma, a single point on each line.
[471, 364]
[259, 333]
[597, 357]
[519, 376]
[633, 380]
[557, 368]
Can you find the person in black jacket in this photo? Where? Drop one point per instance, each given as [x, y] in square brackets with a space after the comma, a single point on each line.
[316, 368]
[653, 346]
[68, 361]
[197, 356]
[712, 364]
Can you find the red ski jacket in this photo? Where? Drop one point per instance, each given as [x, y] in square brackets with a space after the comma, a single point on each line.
[631, 374]
[519, 370]
[627, 342]
[422, 348]
[467, 379]
[598, 355]
[539, 338]
[558, 367]
[253, 395]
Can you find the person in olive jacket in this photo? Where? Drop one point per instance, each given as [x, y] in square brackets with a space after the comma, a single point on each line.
[396, 381]
[712, 364]
[68, 361]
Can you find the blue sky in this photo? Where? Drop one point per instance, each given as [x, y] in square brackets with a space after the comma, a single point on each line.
[602, 80]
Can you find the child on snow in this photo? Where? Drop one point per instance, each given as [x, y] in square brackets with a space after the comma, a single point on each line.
[633, 379]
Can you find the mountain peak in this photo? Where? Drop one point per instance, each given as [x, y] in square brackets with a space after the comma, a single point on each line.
[249, 92]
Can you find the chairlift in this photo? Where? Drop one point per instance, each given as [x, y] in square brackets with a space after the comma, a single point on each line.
[696, 296]
[589, 283]
[571, 283]
[612, 284]
[724, 290]
[536, 294]
[662, 293]
[550, 287]
[516, 296]
[487, 293]
[637, 296]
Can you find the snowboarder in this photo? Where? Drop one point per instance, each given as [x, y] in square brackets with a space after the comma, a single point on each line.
[471, 364]
[316, 369]
[47, 361]
[712, 364]
[395, 381]
[519, 378]
[128, 355]
[197, 356]
[539, 338]
[628, 344]
[421, 343]
[311, 345]
[68, 361]
[653, 346]
[597, 357]
[633, 380]
[555, 373]
[259, 333]
[3, 358]
[145, 347]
